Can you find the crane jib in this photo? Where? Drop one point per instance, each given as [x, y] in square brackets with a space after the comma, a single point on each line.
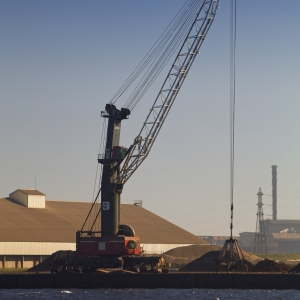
[170, 89]
[119, 163]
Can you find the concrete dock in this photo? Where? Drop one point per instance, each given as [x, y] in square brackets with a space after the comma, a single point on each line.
[172, 280]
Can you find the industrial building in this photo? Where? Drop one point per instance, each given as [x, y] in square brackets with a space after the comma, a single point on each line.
[276, 236]
[282, 236]
[32, 228]
[217, 240]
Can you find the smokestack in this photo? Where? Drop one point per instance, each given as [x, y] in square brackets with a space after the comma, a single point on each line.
[274, 191]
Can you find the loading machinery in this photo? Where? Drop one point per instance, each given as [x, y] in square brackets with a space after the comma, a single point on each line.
[115, 245]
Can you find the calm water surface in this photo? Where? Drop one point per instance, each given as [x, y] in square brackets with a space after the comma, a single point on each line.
[133, 294]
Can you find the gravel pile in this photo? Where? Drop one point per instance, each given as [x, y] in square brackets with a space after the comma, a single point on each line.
[202, 258]
[205, 263]
[268, 265]
[208, 263]
[296, 269]
[186, 254]
[46, 264]
[192, 251]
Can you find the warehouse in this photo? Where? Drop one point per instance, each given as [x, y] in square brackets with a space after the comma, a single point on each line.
[32, 228]
[277, 242]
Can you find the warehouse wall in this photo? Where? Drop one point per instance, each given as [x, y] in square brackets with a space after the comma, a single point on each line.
[36, 201]
[20, 261]
[161, 248]
[33, 248]
[28, 200]
[29, 254]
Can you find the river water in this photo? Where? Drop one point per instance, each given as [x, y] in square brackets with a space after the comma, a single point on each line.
[134, 294]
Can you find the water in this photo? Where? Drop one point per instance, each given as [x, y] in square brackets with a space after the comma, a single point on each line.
[138, 294]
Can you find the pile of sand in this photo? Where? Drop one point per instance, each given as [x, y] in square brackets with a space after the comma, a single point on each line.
[197, 258]
[46, 264]
[202, 258]
[208, 263]
[192, 251]
[268, 265]
[186, 254]
[296, 269]
[205, 263]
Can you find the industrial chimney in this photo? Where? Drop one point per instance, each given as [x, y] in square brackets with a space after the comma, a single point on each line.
[274, 191]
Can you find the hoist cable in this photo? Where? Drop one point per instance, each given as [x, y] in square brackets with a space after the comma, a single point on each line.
[160, 64]
[157, 64]
[92, 210]
[169, 51]
[162, 61]
[232, 104]
[154, 49]
[178, 28]
[149, 56]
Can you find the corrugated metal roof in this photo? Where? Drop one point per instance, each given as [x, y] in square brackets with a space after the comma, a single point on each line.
[224, 238]
[29, 192]
[282, 221]
[60, 220]
[291, 235]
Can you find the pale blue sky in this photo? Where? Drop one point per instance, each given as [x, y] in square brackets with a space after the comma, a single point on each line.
[62, 61]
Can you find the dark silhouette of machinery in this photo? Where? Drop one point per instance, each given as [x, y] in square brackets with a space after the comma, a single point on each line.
[113, 244]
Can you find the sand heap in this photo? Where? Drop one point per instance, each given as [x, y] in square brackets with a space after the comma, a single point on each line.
[197, 258]
[202, 258]
[46, 264]
[208, 263]
[186, 254]
[180, 255]
[268, 265]
[296, 269]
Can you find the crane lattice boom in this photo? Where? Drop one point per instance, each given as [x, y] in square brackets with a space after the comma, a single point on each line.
[169, 90]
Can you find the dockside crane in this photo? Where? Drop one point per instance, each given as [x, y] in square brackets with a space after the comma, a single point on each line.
[115, 244]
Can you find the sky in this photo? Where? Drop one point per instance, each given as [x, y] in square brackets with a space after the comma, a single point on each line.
[62, 61]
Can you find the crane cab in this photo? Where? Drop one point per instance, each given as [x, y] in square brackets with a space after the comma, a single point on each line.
[107, 246]
[116, 154]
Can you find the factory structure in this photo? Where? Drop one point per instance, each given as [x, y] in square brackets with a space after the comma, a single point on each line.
[32, 228]
[271, 236]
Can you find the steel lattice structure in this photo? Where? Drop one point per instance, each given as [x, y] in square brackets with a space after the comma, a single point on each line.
[169, 90]
[260, 242]
[116, 172]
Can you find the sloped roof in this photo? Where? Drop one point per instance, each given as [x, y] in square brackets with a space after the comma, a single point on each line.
[60, 220]
[224, 238]
[282, 221]
[291, 235]
[29, 192]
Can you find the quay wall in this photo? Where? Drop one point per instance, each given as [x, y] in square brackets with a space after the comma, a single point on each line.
[172, 280]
